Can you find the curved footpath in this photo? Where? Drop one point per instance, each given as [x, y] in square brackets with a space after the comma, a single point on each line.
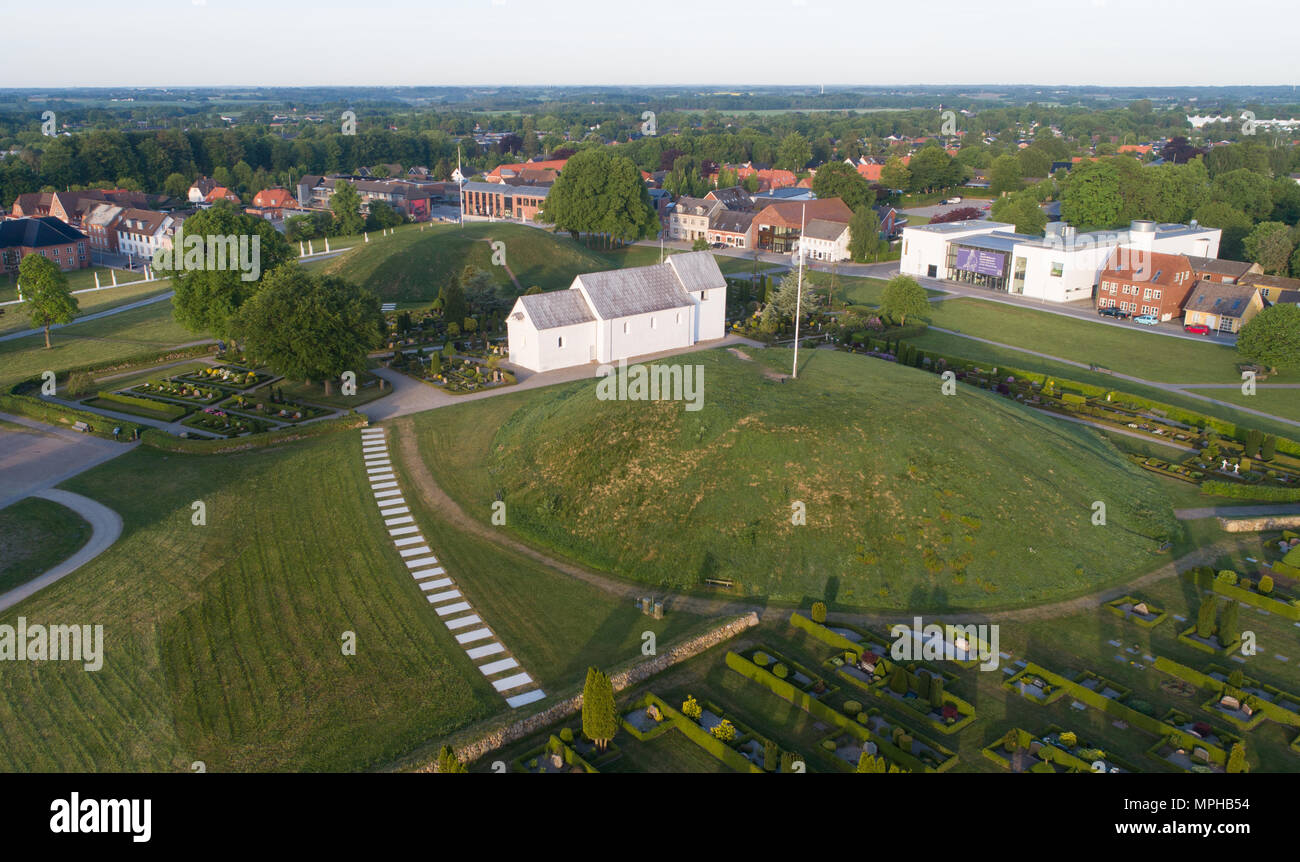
[106, 526]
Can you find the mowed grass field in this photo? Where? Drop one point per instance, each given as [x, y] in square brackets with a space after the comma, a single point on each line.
[1126, 349]
[914, 500]
[223, 641]
[16, 317]
[981, 353]
[36, 534]
[148, 329]
[412, 265]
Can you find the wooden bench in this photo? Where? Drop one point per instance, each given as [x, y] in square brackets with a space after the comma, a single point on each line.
[81, 426]
[721, 583]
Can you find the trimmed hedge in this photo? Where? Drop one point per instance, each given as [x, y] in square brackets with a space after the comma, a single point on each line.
[823, 634]
[1220, 488]
[51, 413]
[150, 405]
[190, 446]
[1207, 581]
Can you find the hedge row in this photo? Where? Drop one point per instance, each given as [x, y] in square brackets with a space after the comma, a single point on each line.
[698, 735]
[1219, 488]
[152, 405]
[823, 634]
[58, 414]
[1140, 720]
[192, 446]
[1272, 711]
[816, 708]
[1207, 581]
[139, 360]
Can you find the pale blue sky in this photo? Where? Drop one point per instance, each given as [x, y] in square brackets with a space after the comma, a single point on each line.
[454, 42]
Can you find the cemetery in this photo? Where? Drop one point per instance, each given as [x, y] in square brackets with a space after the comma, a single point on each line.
[1055, 750]
[1139, 611]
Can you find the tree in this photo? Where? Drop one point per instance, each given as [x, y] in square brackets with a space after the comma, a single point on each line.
[793, 153]
[1245, 190]
[45, 293]
[1272, 337]
[700, 244]
[1237, 759]
[1091, 197]
[904, 298]
[599, 715]
[449, 762]
[345, 203]
[864, 235]
[1005, 175]
[839, 180]
[1229, 627]
[819, 612]
[1268, 449]
[176, 186]
[1266, 584]
[932, 168]
[1269, 245]
[785, 297]
[936, 692]
[309, 326]
[454, 305]
[1234, 223]
[207, 299]
[899, 681]
[895, 175]
[1205, 617]
[1022, 211]
[601, 193]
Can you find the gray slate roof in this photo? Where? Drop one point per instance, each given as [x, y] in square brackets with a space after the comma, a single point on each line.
[557, 308]
[697, 270]
[827, 230]
[638, 290]
[1226, 300]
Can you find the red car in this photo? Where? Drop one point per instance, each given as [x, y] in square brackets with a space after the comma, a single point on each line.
[1197, 329]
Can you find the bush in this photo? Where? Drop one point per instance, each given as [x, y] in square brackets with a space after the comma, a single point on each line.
[1266, 584]
[829, 745]
[852, 707]
[691, 708]
[1227, 576]
[819, 612]
[762, 659]
[724, 731]
[566, 736]
[1069, 740]
[780, 671]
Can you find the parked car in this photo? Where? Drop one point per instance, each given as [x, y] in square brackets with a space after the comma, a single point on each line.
[1114, 311]
[953, 200]
[1146, 319]
[1197, 329]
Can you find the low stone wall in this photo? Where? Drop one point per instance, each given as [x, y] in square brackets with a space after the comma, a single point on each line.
[475, 747]
[1255, 525]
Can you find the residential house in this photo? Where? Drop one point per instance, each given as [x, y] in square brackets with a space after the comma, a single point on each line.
[1222, 307]
[825, 240]
[142, 233]
[1152, 283]
[732, 228]
[540, 171]
[1221, 270]
[777, 225]
[620, 314]
[47, 236]
[271, 204]
[732, 197]
[100, 226]
[689, 218]
[221, 193]
[1271, 287]
[200, 190]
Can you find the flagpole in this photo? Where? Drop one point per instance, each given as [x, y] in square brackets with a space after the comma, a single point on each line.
[798, 297]
[460, 192]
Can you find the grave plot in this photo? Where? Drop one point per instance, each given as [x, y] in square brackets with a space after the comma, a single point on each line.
[217, 421]
[1140, 611]
[1054, 751]
[177, 390]
[281, 410]
[229, 376]
[557, 756]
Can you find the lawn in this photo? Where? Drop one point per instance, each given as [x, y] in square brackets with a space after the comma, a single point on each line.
[79, 279]
[36, 534]
[988, 354]
[223, 640]
[16, 318]
[140, 330]
[1279, 402]
[912, 501]
[1125, 349]
[411, 266]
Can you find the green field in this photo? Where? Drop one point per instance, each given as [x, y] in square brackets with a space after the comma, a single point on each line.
[913, 501]
[1125, 349]
[411, 265]
[140, 330]
[1279, 402]
[36, 534]
[222, 641]
[16, 318]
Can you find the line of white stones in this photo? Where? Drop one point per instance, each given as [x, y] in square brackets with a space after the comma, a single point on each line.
[470, 631]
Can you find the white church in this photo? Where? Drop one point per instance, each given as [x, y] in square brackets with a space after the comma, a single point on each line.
[620, 314]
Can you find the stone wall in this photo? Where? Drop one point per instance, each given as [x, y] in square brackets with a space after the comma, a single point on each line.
[484, 742]
[1255, 525]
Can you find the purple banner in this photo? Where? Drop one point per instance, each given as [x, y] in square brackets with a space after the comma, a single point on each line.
[978, 260]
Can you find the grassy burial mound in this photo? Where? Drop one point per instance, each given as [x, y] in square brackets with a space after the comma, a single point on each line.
[411, 265]
[913, 499]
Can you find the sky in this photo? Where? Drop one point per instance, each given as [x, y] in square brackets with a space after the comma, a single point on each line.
[150, 43]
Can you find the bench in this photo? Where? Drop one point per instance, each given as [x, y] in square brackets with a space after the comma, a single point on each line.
[722, 583]
[81, 426]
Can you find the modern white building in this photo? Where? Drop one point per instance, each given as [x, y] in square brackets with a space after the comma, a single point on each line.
[1061, 266]
[620, 314]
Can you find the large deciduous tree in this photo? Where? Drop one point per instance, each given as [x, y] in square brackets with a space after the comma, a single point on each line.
[1272, 337]
[1269, 244]
[309, 326]
[1091, 197]
[902, 298]
[1022, 211]
[346, 206]
[207, 299]
[603, 194]
[864, 235]
[839, 180]
[793, 153]
[45, 293]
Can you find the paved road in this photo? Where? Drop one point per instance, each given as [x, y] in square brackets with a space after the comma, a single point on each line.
[106, 526]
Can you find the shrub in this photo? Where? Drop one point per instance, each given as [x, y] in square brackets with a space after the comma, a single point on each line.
[780, 671]
[852, 707]
[819, 612]
[1227, 576]
[566, 736]
[724, 731]
[771, 756]
[1266, 584]
[691, 708]
[829, 745]
[762, 659]
[1069, 740]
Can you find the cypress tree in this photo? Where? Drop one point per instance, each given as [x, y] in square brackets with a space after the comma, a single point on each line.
[1268, 449]
[449, 762]
[1205, 618]
[1229, 628]
[599, 716]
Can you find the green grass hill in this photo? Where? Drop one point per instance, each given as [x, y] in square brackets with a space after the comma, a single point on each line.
[914, 500]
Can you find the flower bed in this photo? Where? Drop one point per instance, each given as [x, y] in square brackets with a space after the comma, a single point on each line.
[217, 421]
[179, 390]
[263, 408]
[229, 376]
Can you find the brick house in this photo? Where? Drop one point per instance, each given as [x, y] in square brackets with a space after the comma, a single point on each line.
[777, 225]
[1149, 283]
[1222, 271]
[503, 200]
[732, 228]
[46, 236]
